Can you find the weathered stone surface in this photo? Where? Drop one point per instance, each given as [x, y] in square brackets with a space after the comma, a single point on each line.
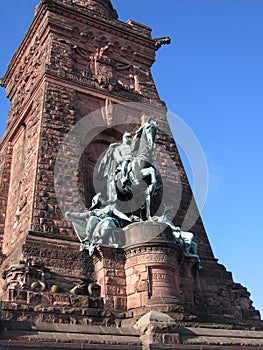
[109, 269]
[67, 336]
[198, 336]
[64, 70]
[160, 329]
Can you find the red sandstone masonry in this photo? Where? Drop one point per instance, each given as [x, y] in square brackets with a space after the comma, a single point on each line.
[71, 63]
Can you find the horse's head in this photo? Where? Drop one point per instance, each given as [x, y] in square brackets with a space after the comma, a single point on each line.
[145, 136]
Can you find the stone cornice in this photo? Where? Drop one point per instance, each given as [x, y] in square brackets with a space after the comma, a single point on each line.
[152, 246]
[134, 28]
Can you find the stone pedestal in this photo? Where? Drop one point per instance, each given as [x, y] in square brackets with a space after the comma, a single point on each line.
[145, 274]
[151, 268]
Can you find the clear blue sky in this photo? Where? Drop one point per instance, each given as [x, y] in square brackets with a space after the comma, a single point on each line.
[212, 77]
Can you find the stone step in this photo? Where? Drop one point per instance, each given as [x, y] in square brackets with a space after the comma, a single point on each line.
[30, 335]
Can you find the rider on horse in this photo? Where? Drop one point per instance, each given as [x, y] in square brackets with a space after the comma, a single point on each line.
[123, 155]
[129, 166]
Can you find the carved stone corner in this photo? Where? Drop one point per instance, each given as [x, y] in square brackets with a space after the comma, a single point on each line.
[157, 329]
[107, 252]
[21, 277]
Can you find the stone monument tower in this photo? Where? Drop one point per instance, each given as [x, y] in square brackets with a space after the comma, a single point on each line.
[81, 80]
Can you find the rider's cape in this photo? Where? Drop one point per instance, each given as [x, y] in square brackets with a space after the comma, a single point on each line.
[108, 164]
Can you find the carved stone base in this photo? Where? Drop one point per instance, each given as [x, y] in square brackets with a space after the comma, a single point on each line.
[151, 267]
[47, 279]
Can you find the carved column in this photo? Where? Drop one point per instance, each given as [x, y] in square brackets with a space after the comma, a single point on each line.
[152, 273]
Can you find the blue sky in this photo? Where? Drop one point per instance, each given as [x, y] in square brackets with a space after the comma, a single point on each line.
[212, 77]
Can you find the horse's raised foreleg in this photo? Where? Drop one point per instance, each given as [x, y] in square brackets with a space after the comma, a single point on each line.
[149, 172]
[111, 189]
[148, 204]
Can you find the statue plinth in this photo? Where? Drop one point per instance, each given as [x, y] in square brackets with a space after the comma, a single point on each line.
[146, 231]
[151, 267]
[142, 275]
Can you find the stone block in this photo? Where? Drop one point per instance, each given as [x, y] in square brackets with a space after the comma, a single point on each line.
[120, 303]
[115, 290]
[61, 299]
[134, 301]
[113, 281]
[79, 301]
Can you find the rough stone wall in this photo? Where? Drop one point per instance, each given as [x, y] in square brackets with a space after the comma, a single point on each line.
[23, 87]
[5, 166]
[218, 299]
[22, 178]
[69, 266]
[101, 7]
[58, 117]
[104, 53]
[82, 63]
[110, 274]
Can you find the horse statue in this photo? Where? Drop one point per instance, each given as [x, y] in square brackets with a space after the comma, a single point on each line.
[130, 168]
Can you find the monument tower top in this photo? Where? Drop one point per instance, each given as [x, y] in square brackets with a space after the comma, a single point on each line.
[101, 7]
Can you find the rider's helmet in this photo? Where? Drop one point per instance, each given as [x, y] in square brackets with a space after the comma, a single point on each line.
[97, 202]
[126, 138]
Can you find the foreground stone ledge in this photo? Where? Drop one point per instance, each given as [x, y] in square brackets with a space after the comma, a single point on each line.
[153, 331]
[30, 335]
[158, 328]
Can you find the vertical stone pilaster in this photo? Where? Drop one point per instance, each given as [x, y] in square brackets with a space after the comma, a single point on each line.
[186, 278]
[109, 270]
